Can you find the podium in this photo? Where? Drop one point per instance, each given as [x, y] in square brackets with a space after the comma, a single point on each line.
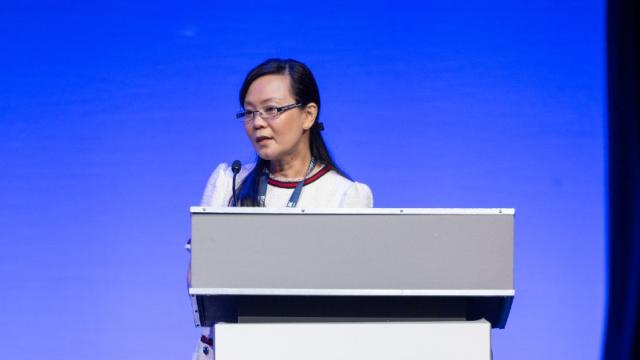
[318, 283]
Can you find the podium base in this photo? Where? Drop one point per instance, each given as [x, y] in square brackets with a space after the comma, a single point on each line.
[468, 340]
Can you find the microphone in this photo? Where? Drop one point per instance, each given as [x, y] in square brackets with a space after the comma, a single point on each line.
[235, 167]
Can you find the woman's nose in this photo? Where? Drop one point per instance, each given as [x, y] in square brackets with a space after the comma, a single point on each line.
[258, 121]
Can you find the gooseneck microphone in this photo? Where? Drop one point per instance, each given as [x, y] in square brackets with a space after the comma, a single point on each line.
[235, 167]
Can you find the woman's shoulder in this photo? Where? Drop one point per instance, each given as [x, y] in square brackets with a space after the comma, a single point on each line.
[218, 188]
[223, 170]
[353, 194]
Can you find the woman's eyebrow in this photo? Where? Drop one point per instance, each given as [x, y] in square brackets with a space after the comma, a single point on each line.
[249, 103]
[270, 100]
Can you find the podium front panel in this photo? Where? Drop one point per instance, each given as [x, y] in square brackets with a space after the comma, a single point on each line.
[404, 252]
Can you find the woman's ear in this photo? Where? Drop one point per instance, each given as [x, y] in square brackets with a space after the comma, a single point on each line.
[310, 113]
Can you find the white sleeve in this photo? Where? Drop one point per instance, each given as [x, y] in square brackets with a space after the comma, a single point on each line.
[358, 195]
[218, 189]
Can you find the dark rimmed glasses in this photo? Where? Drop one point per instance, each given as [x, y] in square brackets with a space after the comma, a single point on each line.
[267, 113]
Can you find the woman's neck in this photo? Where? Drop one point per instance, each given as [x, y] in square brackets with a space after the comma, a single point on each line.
[290, 167]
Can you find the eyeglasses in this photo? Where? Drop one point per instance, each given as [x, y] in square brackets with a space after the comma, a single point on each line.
[267, 113]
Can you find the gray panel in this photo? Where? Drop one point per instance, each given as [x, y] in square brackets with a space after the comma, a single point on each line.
[341, 251]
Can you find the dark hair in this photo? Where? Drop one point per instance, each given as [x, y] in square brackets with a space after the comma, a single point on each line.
[305, 90]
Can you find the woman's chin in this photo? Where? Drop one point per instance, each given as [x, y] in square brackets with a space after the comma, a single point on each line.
[265, 154]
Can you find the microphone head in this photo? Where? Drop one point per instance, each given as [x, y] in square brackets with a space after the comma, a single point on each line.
[235, 166]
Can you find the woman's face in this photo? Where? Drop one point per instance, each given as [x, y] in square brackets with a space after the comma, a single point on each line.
[286, 134]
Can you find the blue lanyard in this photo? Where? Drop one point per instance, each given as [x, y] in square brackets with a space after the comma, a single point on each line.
[293, 200]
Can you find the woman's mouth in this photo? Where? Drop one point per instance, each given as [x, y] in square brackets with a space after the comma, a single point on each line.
[262, 139]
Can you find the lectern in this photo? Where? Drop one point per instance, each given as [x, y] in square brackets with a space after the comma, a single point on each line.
[352, 283]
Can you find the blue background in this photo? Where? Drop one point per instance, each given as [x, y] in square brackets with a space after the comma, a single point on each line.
[112, 116]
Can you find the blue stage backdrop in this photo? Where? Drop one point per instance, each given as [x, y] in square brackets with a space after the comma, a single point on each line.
[113, 116]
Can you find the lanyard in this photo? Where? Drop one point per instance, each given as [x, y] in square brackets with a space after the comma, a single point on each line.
[293, 200]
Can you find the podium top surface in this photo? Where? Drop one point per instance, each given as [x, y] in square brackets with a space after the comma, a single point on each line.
[364, 211]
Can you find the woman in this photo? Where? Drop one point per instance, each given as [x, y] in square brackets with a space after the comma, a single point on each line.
[281, 109]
